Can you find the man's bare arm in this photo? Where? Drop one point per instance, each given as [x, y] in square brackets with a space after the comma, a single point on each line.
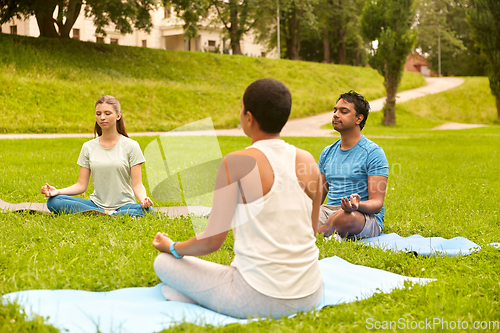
[377, 186]
[325, 188]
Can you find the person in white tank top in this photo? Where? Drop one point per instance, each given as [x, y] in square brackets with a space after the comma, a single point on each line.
[270, 193]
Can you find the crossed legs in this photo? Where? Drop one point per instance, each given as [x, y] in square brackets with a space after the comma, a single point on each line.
[70, 205]
[353, 225]
[222, 289]
[342, 223]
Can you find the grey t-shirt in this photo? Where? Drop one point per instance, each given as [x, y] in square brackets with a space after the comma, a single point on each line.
[110, 170]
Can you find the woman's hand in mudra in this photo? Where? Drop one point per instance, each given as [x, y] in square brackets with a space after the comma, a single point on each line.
[146, 203]
[49, 191]
[162, 243]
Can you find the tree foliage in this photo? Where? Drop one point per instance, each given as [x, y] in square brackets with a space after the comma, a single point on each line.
[315, 30]
[122, 14]
[434, 25]
[389, 23]
[335, 37]
[296, 19]
[484, 21]
[190, 12]
[446, 20]
[237, 17]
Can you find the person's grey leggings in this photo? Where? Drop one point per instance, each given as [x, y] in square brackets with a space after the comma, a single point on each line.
[222, 289]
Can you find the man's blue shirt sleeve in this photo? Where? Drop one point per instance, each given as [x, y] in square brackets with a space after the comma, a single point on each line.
[321, 162]
[377, 163]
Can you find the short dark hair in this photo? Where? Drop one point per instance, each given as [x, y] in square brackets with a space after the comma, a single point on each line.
[270, 102]
[361, 105]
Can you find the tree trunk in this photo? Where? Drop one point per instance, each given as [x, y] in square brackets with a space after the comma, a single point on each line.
[74, 8]
[341, 33]
[298, 35]
[292, 40]
[326, 46]
[236, 47]
[342, 48]
[46, 23]
[234, 33]
[498, 106]
[358, 61]
[391, 86]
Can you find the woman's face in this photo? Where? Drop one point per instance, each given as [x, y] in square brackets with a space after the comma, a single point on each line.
[106, 116]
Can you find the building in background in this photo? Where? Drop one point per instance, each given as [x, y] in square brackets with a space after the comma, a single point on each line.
[416, 63]
[167, 33]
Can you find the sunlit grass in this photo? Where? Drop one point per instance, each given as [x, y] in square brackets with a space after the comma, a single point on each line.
[441, 184]
[50, 86]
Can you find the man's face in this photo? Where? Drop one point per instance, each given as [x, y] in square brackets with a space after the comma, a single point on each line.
[344, 116]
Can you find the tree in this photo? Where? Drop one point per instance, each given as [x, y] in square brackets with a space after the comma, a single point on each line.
[346, 29]
[484, 21]
[435, 22]
[446, 20]
[123, 14]
[334, 35]
[389, 22]
[237, 16]
[295, 15]
[190, 12]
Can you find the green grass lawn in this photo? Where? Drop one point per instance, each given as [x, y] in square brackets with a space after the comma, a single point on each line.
[50, 86]
[441, 184]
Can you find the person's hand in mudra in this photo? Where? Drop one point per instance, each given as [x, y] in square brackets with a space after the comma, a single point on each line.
[162, 242]
[146, 203]
[49, 191]
[352, 205]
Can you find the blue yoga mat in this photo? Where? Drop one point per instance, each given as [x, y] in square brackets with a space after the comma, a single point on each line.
[425, 246]
[138, 310]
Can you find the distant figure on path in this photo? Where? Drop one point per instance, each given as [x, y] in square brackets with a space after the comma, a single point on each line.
[114, 161]
[354, 173]
[270, 192]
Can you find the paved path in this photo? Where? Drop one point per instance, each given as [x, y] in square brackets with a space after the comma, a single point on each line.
[310, 126]
[457, 126]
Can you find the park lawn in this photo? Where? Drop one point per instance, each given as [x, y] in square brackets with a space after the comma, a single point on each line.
[471, 102]
[442, 183]
[51, 85]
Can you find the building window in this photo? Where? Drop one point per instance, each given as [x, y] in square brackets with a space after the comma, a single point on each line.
[13, 29]
[76, 33]
[113, 41]
[167, 12]
[144, 43]
[211, 46]
[99, 39]
[263, 54]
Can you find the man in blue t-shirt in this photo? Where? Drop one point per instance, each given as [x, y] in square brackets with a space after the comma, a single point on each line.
[354, 172]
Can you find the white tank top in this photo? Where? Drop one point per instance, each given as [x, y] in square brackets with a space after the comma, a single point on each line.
[275, 251]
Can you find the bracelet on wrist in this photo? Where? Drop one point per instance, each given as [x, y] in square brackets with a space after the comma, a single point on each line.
[174, 252]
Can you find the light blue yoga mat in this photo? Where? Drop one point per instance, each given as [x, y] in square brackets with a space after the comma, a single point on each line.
[144, 310]
[425, 246]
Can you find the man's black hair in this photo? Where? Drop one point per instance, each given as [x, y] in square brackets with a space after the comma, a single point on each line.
[270, 102]
[361, 105]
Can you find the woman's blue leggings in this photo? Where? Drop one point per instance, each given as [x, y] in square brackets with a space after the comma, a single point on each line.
[68, 204]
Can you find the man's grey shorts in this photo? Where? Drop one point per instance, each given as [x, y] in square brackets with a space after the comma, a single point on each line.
[371, 228]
